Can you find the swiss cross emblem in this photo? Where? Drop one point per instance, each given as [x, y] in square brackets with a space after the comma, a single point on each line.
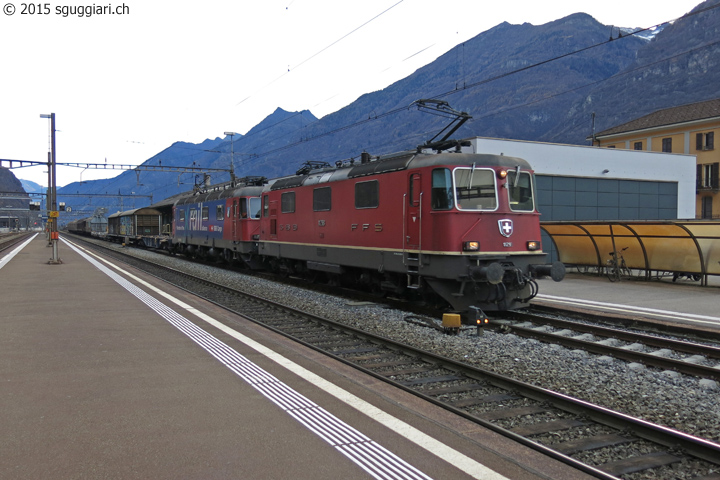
[506, 227]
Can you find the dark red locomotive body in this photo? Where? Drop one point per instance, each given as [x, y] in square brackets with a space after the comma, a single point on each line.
[461, 227]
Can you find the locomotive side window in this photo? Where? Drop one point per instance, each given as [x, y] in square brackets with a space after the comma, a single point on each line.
[287, 202]
[367, 194]
[243, 208]
[322, 199]
[219, 212]
[266, 206]
[475, 189]
[254, 209]
[205, 213]
[520, 192]
[182, 215]
[442, 193]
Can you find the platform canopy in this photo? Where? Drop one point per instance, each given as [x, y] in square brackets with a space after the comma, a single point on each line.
[661, 246]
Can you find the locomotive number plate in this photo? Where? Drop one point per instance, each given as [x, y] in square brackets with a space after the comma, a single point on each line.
[507, 244]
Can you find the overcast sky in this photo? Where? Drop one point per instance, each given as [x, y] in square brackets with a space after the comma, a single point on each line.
[124, 86]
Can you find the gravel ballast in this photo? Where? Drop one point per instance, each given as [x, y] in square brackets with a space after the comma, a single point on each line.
[677, 401]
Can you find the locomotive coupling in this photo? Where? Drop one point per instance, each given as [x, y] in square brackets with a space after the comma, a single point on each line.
[492, 273]
[556, 270]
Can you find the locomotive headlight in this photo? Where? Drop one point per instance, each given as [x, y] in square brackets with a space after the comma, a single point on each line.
[533, 245]
[502, 173]
[471, 246]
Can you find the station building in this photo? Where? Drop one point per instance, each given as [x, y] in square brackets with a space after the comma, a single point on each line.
[687, 129]
[589, 183]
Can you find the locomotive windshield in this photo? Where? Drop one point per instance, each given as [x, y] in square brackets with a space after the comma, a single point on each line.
[475, 189]
[250, 207]
[520, 192]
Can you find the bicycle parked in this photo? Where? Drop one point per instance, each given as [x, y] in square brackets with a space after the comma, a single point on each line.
[615, 266]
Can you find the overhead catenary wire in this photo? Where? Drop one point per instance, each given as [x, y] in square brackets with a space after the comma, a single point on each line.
[495, 78]
[320, 51]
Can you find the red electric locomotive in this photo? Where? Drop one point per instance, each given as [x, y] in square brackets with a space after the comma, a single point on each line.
[462, 227]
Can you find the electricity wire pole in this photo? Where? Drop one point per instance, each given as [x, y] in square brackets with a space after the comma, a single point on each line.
[53, 213]
[232, 155]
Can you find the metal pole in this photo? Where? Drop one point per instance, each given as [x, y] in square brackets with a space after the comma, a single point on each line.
[54, 234]
[52, 194]
[232, 156]
[48, 206]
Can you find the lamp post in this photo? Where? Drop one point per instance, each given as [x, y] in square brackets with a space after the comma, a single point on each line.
[232, 155]
[52, 194]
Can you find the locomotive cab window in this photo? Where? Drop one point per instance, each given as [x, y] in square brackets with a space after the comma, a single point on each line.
[254, 207]
[520, 191]
[266, 206]
[367, 194]
[442, 192]
[287, 202]
[475, 189]
[243, 208]
[322, 200]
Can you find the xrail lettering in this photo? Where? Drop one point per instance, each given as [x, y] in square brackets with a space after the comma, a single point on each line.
[194, 221]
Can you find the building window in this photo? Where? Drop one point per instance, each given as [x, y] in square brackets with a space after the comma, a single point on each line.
[708, 176]
[706, 208]
[322, 199]
[637, 146]
[705, 141]
[667, 145]
[287, 202]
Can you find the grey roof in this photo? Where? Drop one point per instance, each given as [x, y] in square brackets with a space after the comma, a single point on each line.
[668, 116]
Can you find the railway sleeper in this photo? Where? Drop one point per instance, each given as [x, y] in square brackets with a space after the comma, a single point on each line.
[639, 463]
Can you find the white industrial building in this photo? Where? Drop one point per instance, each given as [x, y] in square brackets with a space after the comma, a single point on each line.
[591, 183]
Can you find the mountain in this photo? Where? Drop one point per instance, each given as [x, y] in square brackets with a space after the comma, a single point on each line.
[10, 185]
[681, 65]
[32, 187]
[527, 82]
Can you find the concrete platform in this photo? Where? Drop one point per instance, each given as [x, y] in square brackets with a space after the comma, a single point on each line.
[683, 302]
[110, 374]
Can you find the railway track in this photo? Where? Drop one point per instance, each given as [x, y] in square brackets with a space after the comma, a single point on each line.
[9, 240]
[530, 415]
[682, 356]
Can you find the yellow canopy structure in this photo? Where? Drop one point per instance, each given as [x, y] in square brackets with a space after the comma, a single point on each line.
[662, 246]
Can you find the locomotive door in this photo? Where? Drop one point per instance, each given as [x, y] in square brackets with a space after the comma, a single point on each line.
[413, 212]
[235, 219]
[273, 217]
